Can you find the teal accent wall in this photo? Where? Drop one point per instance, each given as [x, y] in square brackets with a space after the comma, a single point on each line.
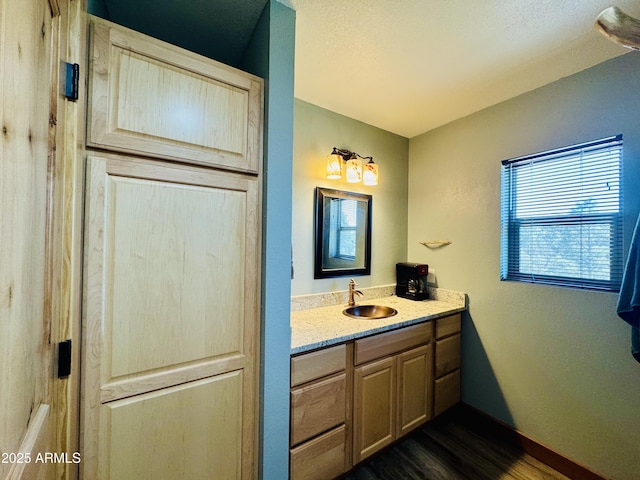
[552, 362]
[271, 55]
[98, 8]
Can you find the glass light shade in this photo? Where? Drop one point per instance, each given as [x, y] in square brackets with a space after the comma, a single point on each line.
[354, 170]
[370, 174]
[334, 167]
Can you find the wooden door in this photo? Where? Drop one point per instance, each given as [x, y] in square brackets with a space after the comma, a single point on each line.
[374, 404]
[31, 34]
[414, 388]
[170, 326]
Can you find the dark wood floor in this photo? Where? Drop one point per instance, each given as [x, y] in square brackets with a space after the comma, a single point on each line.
[449, 448]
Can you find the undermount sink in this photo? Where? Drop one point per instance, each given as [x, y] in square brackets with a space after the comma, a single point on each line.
[370, 312]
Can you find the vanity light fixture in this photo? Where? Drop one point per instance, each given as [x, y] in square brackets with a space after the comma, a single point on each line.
[354, 171]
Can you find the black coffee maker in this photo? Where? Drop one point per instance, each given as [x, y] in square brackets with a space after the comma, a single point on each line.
[411, 281]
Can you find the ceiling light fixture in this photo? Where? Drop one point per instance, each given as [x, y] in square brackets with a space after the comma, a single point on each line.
[354, 171]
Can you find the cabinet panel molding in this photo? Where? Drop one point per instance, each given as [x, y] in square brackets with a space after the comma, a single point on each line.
[164, 242]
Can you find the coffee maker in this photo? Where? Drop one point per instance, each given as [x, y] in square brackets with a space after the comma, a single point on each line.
[411, 281]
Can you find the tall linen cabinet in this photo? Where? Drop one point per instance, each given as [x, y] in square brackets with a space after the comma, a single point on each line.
[171, 263]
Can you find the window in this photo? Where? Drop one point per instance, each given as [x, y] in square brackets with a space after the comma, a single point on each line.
[344, 217]
[561, 217]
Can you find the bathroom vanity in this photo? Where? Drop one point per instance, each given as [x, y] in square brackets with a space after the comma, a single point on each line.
[357, 385]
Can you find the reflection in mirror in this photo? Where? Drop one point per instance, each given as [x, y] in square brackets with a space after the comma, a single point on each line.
[343, 233]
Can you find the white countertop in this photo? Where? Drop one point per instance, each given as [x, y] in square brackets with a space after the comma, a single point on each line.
[320, 327]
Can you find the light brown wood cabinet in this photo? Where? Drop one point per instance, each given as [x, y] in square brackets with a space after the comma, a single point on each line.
[150, 98]
[320, 413]
[171, 296]
[447, 363]
[318, 407]
[392, 394]
[351, 400]
[38, 281]
[414, 389]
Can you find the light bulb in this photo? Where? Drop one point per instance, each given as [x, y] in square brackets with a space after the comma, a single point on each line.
[334, 167]
[354, 170]
[370, 175]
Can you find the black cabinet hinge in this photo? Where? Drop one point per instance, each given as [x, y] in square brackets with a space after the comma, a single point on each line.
[72, 81]
[64, 359]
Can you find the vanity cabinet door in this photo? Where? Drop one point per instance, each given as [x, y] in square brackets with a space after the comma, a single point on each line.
[374, 406]
[447, 355]
[147, 97]
[392, 386]
[447, 392]
[414, 389]
[392, 396]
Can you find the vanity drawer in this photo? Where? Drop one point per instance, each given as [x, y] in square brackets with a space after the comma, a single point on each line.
[321, 458]
[318, 407]
[448, 325]
[447, 392]
[383, 344]
[318, 364]
[447, 355]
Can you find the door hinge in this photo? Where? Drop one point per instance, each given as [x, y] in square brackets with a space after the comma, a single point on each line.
[64, 358]
[72, 81]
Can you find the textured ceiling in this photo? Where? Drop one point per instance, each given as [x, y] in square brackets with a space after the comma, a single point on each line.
[412, 65]
[406, 66]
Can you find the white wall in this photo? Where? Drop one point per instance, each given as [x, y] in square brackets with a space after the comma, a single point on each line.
[553, 362]
[316, 132]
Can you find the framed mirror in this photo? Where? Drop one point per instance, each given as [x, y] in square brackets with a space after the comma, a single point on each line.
[342, 233]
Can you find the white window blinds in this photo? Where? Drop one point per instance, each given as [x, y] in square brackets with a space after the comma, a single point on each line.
[561, 216]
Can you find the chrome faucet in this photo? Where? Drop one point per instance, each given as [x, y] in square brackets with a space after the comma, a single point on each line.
[353, 292]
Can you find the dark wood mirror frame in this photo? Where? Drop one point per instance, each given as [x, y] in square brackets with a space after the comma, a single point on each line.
[328, 261]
